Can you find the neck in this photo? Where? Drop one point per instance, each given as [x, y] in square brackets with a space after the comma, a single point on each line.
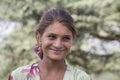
[52, 65]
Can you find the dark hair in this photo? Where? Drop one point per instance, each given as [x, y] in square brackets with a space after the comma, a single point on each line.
[56, 15]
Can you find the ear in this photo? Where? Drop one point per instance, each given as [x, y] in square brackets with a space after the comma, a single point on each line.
[38, 38]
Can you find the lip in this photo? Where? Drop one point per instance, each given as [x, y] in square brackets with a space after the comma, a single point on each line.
[57, 49]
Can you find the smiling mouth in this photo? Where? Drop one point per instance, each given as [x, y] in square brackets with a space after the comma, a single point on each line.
[57, 49]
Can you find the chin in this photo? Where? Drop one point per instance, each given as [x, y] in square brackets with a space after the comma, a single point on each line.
[57, 58]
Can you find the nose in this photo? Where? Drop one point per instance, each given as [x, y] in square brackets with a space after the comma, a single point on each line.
[58, 44]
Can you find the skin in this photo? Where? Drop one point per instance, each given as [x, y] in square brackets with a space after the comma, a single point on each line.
[56, 42]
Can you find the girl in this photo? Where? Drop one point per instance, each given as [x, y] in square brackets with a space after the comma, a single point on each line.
[55, 34]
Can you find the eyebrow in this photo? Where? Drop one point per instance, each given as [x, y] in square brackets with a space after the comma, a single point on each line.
[67, 35]
[56, 34]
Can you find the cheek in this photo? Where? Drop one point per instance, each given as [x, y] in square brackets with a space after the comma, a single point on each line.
[45, 44]
[68, 45]
[68, 48]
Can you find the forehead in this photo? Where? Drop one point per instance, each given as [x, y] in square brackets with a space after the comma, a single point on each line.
[58, 28]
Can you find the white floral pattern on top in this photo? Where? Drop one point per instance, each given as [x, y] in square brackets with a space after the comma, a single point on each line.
[31, 72]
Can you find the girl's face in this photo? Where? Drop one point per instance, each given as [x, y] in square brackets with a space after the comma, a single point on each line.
[56, 41]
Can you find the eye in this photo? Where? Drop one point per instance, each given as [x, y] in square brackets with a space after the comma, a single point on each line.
[51, 36]
[67, 38]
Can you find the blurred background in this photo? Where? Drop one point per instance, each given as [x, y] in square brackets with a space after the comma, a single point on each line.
[96, 49]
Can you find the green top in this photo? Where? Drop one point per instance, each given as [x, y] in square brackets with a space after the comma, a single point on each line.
[31, 72]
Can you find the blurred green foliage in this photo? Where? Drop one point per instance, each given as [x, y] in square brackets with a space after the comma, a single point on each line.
[96, 18]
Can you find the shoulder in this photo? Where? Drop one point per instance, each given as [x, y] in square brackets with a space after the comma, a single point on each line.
[22, 69]
[22, 73]
[78, 74]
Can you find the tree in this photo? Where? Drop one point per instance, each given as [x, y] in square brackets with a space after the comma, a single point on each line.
[95, 21]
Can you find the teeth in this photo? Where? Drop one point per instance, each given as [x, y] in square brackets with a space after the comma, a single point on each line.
[57, 50]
